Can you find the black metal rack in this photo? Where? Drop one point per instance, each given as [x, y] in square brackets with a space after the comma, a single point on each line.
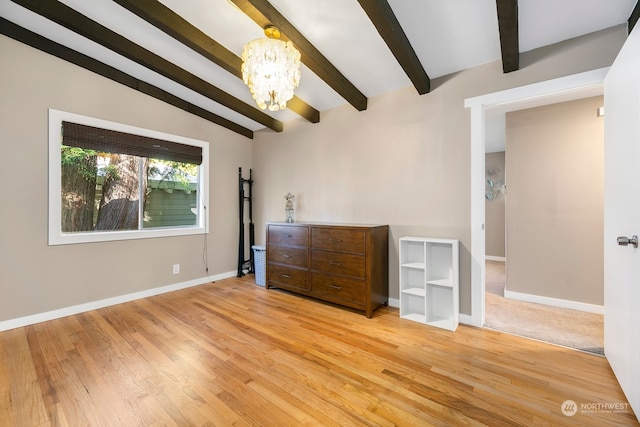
[243, 263]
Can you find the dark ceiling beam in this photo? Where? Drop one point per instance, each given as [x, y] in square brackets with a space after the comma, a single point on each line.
[43, 44]
[180, 29]
[508, 26]
[263, 13]
[80, 24]
[385, 21]
[633, 19]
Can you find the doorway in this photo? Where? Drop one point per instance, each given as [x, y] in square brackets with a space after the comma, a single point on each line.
[562, 89]
[555, 222]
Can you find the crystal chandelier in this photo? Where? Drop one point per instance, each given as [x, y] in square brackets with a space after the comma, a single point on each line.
[271, 69]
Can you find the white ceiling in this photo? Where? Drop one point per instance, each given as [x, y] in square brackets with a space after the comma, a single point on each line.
[447, 36]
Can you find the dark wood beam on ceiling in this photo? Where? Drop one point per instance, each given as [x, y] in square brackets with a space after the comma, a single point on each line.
[43, 44]
[80, 24]
[263, 13]
[633, 19]
[385, 21]
[180, 29]
[508, 26]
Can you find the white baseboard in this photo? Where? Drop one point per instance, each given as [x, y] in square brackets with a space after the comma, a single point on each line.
[394, 302]
[574, 305]
[466, 319]
[94, 305]
[495, 258]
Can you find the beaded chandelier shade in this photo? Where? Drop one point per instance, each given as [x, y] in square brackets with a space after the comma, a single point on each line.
[271, 69]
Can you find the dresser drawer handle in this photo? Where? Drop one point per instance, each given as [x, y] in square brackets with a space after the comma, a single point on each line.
[336, 287]
[286, 256]
[336, 240]
[288, 235]
[335, 263]
[286, 276]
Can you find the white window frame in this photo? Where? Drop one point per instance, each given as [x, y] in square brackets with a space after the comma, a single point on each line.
[57, 237]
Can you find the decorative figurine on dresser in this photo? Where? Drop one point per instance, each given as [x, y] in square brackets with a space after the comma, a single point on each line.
[288, 208]
[346, 264]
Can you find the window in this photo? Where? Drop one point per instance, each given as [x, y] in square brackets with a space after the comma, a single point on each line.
[109, 181]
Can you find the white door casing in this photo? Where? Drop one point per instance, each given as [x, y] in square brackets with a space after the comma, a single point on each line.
[622, 218]
[577, 86]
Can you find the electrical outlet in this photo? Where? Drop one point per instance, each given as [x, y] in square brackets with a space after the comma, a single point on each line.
[176, 268]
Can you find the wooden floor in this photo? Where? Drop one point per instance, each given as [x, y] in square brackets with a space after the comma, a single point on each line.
[233, 353]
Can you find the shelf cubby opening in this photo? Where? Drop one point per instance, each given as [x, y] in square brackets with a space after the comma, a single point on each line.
[439, 303]
[412, 253]
[439, 262]
[412, 278]
[413, 307]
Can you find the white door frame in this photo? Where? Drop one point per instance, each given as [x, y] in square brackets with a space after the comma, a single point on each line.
[562, 89]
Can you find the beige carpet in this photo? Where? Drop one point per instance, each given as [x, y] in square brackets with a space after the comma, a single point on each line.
[570, 328]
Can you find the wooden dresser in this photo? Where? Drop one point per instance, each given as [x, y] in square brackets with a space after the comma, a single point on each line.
[342, 263]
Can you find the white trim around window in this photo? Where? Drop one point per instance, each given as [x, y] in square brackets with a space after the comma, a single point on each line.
[57, 237]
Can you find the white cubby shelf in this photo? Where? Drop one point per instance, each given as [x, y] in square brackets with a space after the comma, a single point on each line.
[429, 281]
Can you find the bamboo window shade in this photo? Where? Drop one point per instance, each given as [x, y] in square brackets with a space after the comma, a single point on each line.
[111, 141]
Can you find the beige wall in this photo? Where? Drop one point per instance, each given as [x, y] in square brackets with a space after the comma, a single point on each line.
[36, 278]
[555, 205]
[405, 161]
[495, 209]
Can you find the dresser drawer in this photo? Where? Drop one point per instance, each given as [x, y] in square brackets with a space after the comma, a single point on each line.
[336, 287]
[298, 257]
[338, 263]
[338, 239]
[288, 235]
[288, 277]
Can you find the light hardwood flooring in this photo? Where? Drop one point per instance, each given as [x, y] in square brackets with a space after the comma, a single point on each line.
[233, 353]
